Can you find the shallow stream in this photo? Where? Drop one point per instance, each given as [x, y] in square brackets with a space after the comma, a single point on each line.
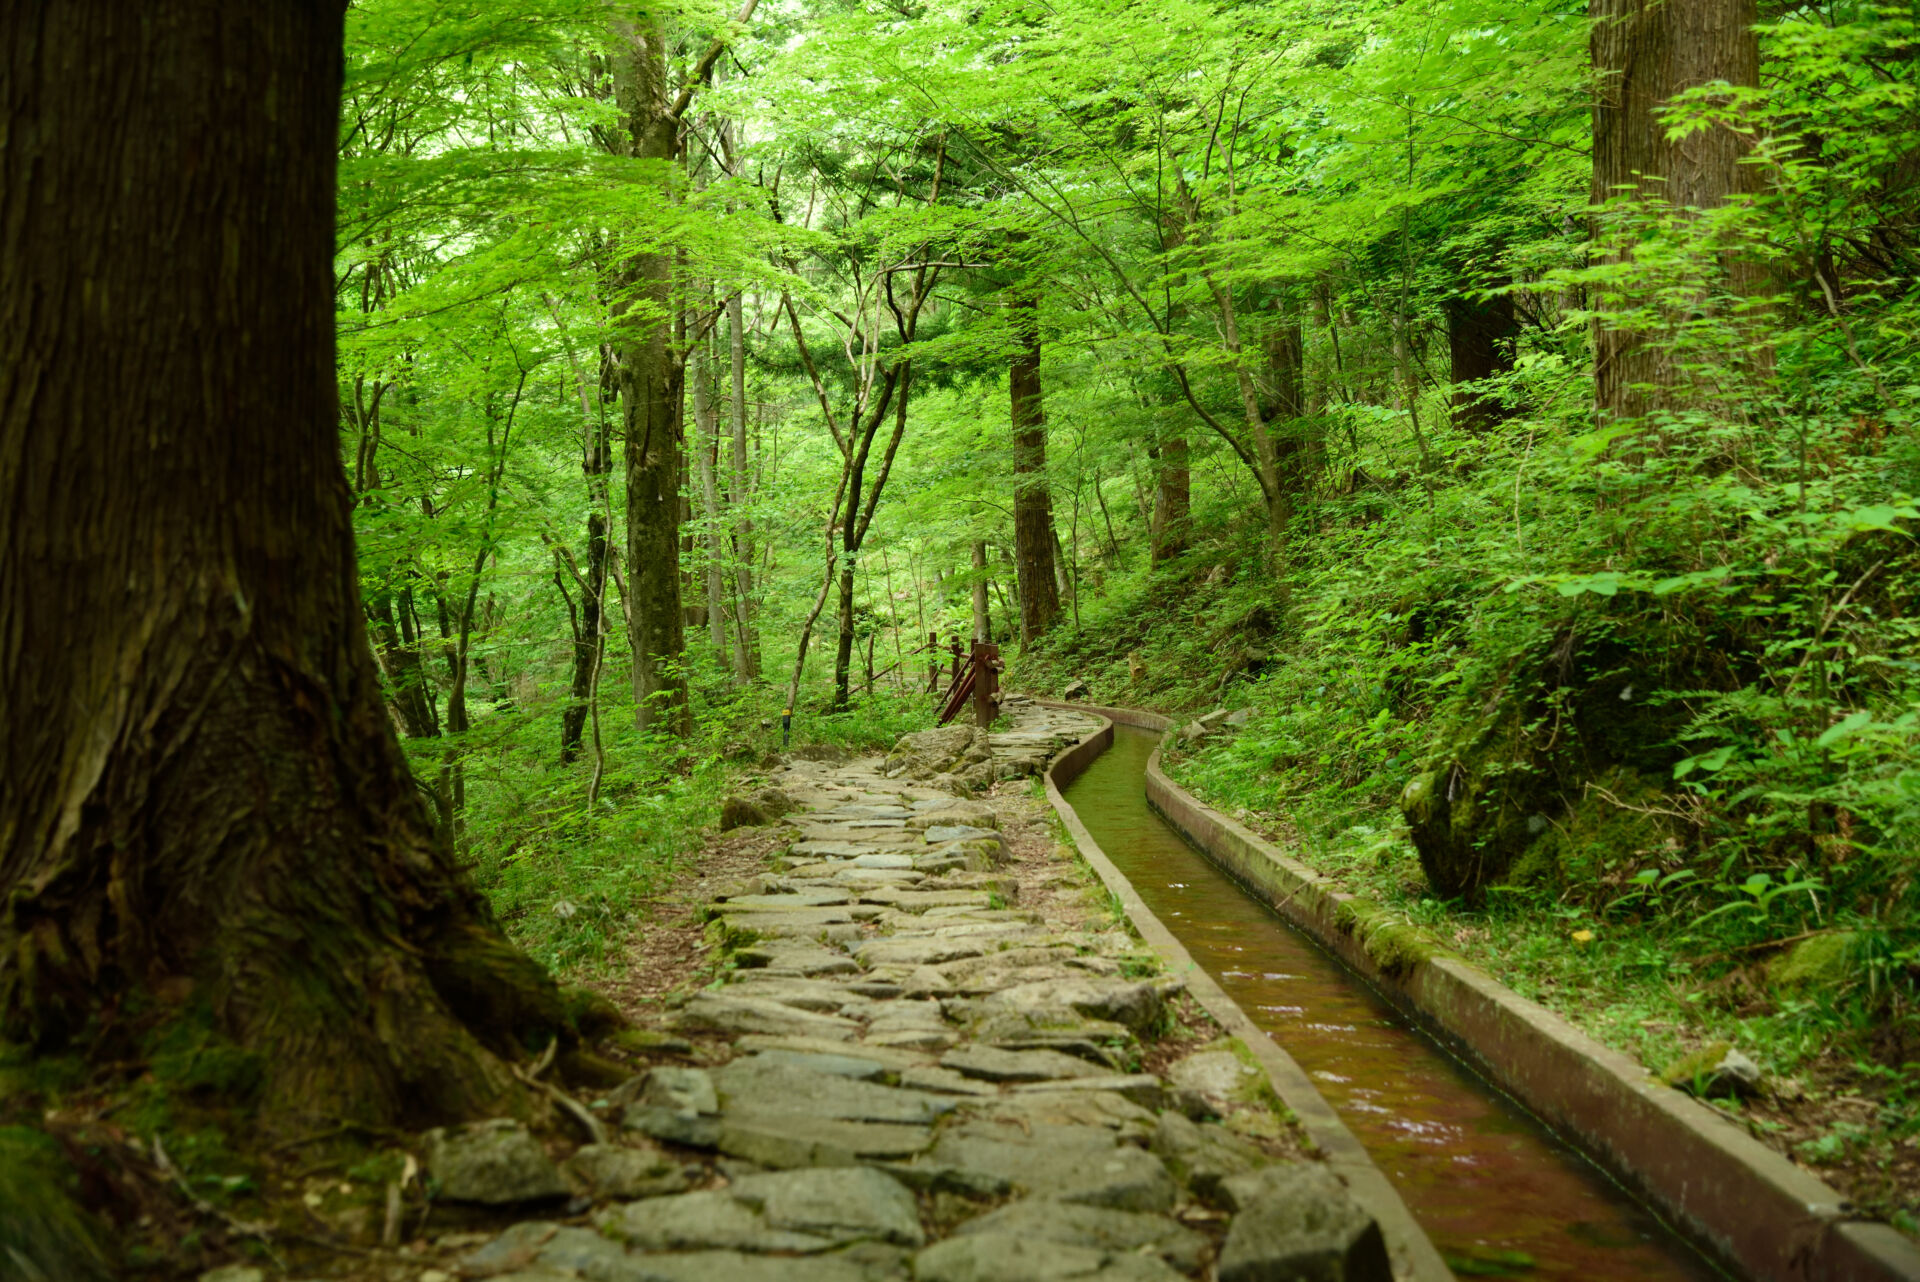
[1499, 1195]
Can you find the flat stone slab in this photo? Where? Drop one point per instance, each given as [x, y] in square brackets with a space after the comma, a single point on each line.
[892, 1060]
[736, 1014]
[918, 950]
[759, 1085]
[785, 903]
[919, 901]
[1103, 1228]
[946, 1081]
[1070, 1163]
[617, 1171]
[819, 995]
[884, 862]
[992, 1064]
[692, 1221]
[731, 1266]
[838, 1204]
[834, 1065]
[793, 957]
[936, 834]
[1143, 1089]
[788, 1140]
[1123, 1001]
[1006, 1257]
[828, 849]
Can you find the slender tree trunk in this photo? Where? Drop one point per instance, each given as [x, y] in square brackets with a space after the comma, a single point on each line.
[199, 785]
[982, 618]
[1032, 498]
[406, 676]
[590, 643]
[649, 395]
[1644, 52]
[746, 652]
[706, 449]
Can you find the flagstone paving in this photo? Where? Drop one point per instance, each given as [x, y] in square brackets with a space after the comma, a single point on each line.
[933, 1054]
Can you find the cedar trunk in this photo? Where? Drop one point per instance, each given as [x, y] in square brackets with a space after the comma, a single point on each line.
[1172, 500]
[200, 790]
[1032, 500]
[1481, 335]
[649, 399]
[1644, 52]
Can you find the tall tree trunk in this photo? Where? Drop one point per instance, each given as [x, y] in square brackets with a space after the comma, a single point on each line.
[706, 449]
[199, 785]
[1172, 502]
[1032, 499]
[590, 643]
[746, 653]
[982, 616]
[1481, 334]
[649, 399]
[1644, 52]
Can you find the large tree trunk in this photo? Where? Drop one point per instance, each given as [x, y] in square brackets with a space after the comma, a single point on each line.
[200, 789]
[1032, 500]
[1644, 52]
[649, 399]
[1481, 334]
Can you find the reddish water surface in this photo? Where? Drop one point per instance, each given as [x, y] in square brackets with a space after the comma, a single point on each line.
[1495, 1190]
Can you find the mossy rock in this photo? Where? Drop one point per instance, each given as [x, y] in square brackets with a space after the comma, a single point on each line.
[1823, 964]
[1513, 755]
[1618, 820]
[45, 1235]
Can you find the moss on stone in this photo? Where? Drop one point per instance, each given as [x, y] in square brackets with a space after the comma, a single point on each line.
[1695, 1065]
[1619, 821]
[1821, 964]
[1394, 944]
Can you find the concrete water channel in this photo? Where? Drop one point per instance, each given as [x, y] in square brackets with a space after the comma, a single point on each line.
[1497, 1192]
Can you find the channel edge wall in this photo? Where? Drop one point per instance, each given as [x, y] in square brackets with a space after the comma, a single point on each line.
[1748, 1206]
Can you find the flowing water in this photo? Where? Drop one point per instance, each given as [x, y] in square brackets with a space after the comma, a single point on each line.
[1497, 1193]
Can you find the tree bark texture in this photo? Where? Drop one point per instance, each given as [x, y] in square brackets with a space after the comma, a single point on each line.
[1644, 52]
[200, 788]
[1172, 498]
[589, 645]
[649, 399]
[1032, 499]
[1481, 334]
[982, 612]
[746, 638]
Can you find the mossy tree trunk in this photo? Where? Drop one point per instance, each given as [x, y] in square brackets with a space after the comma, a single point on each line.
[1033, 535]
[198, 779]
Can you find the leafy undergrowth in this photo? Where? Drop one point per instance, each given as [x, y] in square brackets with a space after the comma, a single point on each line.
[1688, 839]
[563, 875]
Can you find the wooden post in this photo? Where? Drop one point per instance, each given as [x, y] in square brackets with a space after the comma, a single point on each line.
[986, 683]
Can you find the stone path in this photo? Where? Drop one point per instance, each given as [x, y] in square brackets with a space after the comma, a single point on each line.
[934, 1056]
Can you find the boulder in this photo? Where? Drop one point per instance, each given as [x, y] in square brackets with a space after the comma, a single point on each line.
[1212, 720]
[1299, 1221]
[752, 810]
[496, 1163]
[946, 750]
[1075, 690]
[1238, 718]
[1192, 732]
[1715, 1071]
